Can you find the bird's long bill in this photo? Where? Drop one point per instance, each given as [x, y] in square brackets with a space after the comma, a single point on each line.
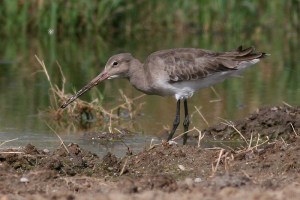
[101, 77]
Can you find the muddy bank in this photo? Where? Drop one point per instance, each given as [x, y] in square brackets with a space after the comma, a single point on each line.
[272, 122]
[267, 169]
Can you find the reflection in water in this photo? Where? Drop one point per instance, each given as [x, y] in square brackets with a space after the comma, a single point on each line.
[24, 91]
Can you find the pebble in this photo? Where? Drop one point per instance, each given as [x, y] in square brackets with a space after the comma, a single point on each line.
[110, 168]
[181, 167]
[46, 151]
[172, 142]
[198, 180]
[24, 180]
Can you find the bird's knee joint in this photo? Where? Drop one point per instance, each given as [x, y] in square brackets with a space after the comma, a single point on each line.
[176, 123]
[186, 121]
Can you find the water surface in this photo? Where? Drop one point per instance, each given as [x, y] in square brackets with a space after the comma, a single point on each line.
[25, 89]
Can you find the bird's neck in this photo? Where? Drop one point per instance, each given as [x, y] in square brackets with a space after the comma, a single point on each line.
[137, 76]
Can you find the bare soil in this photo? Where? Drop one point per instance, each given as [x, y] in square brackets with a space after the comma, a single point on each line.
[267, 166]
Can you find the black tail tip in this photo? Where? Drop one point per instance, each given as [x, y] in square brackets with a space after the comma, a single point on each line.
[240, 48]
[263, 55]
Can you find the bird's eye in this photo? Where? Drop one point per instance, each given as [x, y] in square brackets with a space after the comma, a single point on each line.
[115, 63]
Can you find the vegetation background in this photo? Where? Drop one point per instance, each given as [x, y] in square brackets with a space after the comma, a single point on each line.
[81, 35]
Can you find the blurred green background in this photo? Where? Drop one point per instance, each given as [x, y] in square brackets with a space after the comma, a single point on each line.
[81, 35]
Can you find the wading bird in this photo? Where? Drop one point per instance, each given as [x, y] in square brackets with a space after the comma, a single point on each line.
[178, 72]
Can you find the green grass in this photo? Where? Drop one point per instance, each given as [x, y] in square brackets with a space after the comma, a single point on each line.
[131, 17]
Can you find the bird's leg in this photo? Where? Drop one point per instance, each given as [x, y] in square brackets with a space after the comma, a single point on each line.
[176, 121]
[186, 121]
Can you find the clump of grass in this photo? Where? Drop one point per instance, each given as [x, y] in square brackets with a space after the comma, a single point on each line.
[81, 113]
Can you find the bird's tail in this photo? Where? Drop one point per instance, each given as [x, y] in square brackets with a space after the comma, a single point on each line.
[248, 54]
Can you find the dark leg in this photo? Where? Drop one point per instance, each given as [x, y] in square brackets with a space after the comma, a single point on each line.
[186, 122]
[176, 121]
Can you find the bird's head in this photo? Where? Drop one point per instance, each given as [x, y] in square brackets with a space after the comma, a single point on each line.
[117, 66]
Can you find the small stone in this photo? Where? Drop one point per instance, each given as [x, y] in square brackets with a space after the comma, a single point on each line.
[110, 168]
[197, 180]
[46, 151]
[24, 180]
[172, 142]
[181, 167]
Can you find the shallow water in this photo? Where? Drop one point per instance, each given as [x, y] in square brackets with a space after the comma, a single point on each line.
[24, 89]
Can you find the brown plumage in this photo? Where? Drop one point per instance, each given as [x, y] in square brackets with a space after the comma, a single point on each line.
[191, 64]
[179, 72]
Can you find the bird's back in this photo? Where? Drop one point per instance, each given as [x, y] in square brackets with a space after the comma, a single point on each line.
[184, 67]
[191, 64]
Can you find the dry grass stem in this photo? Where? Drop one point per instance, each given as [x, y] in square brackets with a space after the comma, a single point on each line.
[62, 142]
[215, 168]
[151, 143]
[285, 143]
[285, 103]
[7, 141]
[218, 96]
[75, 111]
[123, 104]
[250, 143]
[246, 174]
[178, 136]
[63, 77]
[231, 124]
[110, 123]
[294, 130]
[258, 138]
[118, 130]
[227, 161]
[200, 137]
[123, 168]
[154, 145]
[213, 148]
[251, 148]
[128, 103]
[11, 152]
[202, 116]
[48, 78]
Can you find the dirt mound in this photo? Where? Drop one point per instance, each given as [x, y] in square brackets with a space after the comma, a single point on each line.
[271, 122]
[268, 169]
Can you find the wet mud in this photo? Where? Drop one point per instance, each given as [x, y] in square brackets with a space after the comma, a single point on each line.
[267, 166]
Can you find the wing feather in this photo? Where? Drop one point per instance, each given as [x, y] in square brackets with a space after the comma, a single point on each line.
[192, 64]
